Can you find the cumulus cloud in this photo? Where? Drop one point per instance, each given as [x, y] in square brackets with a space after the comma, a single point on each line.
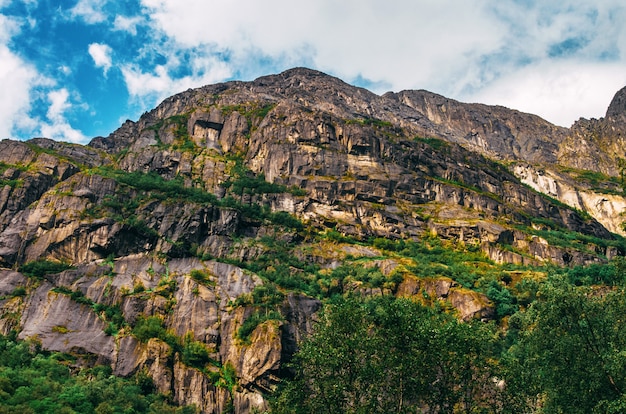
[101, 55]
[57, 126]
[401, 42]
[158, 84]
[17, 78]
[90, 11]
[127, 24]
[561, 92]
[458, 48]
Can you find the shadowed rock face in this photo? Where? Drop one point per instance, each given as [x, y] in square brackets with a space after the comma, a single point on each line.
[149, 215]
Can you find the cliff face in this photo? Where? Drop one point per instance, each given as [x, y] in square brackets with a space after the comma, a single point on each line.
[188, 218]
[598, 144]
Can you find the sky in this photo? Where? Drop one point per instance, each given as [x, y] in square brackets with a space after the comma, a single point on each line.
[75, 69]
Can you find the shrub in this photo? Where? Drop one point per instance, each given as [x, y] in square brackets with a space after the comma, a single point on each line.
[194, 353]
[254, 320]
[38, 269]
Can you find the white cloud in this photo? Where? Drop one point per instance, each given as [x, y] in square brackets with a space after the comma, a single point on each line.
[127, 24]
[101, 55]
[64, 69]
[560, 92]
[17, 79]
[401, 42]
[479, 49]
[89, 11]
[57, 126]
[159, 84]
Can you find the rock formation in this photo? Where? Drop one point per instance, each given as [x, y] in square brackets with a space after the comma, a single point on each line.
[176, 222]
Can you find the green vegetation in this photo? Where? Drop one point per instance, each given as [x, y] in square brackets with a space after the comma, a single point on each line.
[600, 182]
[111, 315]
[254, 320]
[124, 204]
[152, 327]
[243, 181]
[385, 355]
[40, 268]
[435, 143]
[11, 183]
[567, 352]
[563, 352]
[192, 353]
[370, 121]
[34, 381]
[566, 238]
[252, 111]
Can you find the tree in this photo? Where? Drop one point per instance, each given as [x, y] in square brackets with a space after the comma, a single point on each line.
[573, 344]
[387, 355]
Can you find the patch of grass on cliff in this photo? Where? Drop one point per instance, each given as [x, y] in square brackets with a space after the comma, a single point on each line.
[242, 181]
[254, 320]
[153, 327]
[252, 111]
[473, 188]
[17, 183]
[279, 265]
[597, 181]
[40, 268]
[435, 143]
[192, 353]
[579, 241]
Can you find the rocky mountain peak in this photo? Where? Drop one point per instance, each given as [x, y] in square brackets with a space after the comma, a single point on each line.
[617, 108]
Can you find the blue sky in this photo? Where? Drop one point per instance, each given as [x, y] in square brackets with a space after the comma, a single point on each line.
[75, 69]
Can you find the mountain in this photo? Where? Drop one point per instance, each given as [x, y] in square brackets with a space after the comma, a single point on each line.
[197, 244]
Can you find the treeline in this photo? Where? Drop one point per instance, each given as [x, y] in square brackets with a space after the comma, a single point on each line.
[563, 353]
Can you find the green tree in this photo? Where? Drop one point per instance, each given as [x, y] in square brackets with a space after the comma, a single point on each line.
[571, 351]
[388, 355]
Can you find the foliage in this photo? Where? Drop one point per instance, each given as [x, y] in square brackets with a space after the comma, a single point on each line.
[254, 320]
[33, 381]
[111, 314]
[565, 238]
[570, 352]
[153, 327]
[252, 111]
[243, 181]
[40, 268]
[436, 143]
[389, 355]
[194, 353]
[505, 302]
[16, 183]
[370, 121]
[201, 276]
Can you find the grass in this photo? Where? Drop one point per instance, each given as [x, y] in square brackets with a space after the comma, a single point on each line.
[435, 143]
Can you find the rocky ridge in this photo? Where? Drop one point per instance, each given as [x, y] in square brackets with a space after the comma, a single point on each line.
[184, 223]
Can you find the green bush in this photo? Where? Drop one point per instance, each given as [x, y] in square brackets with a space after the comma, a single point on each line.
[254, 320]
[40, 268]
[194, 353]
[35, 381]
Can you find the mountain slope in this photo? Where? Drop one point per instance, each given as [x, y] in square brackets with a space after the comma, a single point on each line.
[197, 243]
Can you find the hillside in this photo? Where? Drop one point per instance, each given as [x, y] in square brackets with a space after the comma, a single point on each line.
[197, 244]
